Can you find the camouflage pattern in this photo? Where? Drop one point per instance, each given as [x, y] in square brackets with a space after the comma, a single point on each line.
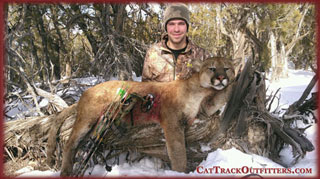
[160, 64]
[176, 11]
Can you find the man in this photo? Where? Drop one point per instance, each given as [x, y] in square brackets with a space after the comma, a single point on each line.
[172, 58]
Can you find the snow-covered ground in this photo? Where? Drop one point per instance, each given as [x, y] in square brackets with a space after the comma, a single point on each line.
[230, 162]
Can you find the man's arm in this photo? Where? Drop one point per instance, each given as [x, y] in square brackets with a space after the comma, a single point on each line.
[146, 71]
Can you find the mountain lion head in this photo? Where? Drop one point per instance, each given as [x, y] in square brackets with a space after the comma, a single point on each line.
[217, 73]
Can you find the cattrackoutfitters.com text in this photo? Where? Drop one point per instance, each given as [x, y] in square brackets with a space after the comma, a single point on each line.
[250, 170]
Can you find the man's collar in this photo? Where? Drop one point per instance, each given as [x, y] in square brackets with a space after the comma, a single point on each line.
[165, 38]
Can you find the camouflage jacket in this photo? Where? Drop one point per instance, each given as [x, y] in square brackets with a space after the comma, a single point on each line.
[160, 64]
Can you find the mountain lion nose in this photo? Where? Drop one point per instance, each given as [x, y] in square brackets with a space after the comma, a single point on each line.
[220, 77]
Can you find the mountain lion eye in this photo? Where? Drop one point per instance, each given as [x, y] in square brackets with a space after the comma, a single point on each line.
[212, 69]
[226, 69]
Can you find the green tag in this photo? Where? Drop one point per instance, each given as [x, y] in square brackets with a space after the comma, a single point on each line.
[189, 65]
[121, 92]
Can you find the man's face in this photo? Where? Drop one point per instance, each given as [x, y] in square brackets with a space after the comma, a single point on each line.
[177, 31]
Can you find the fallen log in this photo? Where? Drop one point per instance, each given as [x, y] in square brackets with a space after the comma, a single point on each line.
[245, 124]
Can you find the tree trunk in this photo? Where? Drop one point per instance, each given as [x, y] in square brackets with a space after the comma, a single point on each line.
[274, 57]
[284, 62]
[281, 64]
[237, 36]
[119, 13]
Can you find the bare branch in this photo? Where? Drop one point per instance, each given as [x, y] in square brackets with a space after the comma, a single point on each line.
[297, 36]
[293, 107]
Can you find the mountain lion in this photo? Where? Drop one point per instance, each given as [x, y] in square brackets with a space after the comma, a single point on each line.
[178, 102]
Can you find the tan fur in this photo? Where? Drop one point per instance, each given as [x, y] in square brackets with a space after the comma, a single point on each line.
[179, 102]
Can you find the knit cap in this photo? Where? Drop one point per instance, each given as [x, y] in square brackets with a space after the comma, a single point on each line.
[176, 11]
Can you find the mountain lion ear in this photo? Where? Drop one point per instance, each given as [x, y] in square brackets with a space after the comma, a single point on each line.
[238, 65]
[196, 65]
[236, 62]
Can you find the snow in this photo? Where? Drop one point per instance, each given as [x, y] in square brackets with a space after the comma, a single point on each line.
[292, 87]
[222, 162]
